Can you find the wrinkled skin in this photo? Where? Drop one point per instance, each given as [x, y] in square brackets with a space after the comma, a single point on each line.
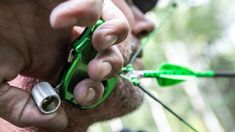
[35, 39]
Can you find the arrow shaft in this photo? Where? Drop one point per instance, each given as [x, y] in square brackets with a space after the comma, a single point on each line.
[181, 73]
[205, 74]
[224, 74]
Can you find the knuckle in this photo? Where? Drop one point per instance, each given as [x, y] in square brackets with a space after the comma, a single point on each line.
[116, 60]
[123, 28]
[91, 17]
[94, 12]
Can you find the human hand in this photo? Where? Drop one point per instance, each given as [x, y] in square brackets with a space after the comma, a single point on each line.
[39, 51]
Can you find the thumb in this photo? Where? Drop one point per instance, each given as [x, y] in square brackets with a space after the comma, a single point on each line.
[18, 107]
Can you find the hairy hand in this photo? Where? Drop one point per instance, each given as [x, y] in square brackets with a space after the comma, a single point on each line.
[35, 39]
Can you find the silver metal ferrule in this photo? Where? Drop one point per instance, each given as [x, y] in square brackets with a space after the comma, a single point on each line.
[47, 100]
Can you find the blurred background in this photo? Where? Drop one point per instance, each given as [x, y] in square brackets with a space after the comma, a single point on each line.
[199, 34]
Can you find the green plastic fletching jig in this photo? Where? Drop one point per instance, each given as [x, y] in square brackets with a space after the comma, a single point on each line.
[81, 54]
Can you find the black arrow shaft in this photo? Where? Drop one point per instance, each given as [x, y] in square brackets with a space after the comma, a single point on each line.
[224, 74]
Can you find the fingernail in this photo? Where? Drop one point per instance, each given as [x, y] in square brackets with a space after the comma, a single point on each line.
[106, 69]
[110, 40]
[90, 95]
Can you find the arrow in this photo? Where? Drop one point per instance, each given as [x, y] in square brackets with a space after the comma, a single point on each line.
[170, 74]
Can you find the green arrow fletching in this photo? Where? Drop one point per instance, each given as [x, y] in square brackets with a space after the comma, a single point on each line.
[168, 81]
[170, 74]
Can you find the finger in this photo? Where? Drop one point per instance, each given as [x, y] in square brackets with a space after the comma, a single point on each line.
[18, 107]
[77, 31]
[88, 92]
[76, 12]
[114, 30]
[107, 64]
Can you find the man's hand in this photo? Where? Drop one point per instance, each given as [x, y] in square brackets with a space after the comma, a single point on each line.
[33, 45]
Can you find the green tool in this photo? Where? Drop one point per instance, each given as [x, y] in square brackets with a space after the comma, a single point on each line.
[169, 74]
[81, 54]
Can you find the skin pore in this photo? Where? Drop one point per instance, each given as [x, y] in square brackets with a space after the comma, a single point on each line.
[30, 47]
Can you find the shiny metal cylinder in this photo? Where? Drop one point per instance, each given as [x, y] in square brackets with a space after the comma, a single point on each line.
[47, 100]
